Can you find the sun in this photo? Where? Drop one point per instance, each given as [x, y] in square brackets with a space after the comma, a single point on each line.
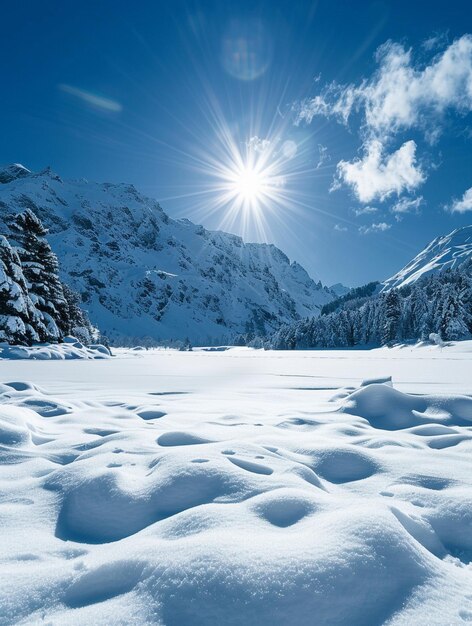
[249, 185]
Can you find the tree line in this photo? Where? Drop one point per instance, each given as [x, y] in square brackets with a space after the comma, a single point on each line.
[35, 305]
[438, 303]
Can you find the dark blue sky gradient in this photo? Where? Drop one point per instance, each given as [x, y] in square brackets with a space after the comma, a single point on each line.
[161, 67]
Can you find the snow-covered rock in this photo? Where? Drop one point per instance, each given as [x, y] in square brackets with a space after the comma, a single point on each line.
[144, 276]
[442, 253]
[54, 351]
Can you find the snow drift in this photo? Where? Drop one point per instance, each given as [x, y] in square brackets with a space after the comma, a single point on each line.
[70, 349]
[220, 503]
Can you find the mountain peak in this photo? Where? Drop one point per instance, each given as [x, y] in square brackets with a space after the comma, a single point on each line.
[339, 289]
[49, 172]
[444, 252]
[12, 172]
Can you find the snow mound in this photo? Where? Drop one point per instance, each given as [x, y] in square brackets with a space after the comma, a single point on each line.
[229, 504]
[387, 408]
[70, 349]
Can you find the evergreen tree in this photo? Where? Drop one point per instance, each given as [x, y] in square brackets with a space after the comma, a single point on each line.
[391, 326]
[465, 294]
[34, 304]
[79, 324]
[40, 268]
[18, 316]
[452, 324]
[436, 304]
[421, 325]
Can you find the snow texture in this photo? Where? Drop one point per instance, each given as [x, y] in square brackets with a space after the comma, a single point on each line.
[238, 487]
[145, 278]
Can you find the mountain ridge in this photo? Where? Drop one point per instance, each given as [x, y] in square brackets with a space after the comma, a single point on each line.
[144, 276]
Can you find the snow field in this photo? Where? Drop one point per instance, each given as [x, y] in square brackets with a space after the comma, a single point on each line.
[237, 487]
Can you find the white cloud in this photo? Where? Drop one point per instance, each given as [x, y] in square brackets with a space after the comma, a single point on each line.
[339, 228]
[365, 210]
[375, 176]
[401, 94]
[438, 40]
[407, 205]
[334, 101]
[323, 156]
[98, 102]
[257, 144]
[464, 204]
[374, 228]
[289, 149]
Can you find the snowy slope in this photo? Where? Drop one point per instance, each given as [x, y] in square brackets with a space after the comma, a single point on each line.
[144, 275]
[441, 253]
[237, 488]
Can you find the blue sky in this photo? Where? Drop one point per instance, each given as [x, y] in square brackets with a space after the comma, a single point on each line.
[355, 114]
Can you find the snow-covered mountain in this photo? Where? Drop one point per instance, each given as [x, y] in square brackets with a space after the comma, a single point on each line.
[144, 275]
[339, 289]
[443, 252]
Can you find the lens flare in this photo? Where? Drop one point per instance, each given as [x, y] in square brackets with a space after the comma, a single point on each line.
[246, 50]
